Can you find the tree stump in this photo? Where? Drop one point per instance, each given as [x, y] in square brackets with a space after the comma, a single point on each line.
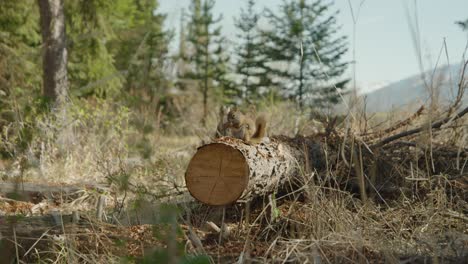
[228, 169]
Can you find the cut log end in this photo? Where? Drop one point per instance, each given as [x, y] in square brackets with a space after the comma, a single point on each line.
[222, 172]
[218, 174]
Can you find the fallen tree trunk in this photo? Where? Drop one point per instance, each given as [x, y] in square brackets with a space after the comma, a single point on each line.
[228, 169]
[23, 234]
[36, 192]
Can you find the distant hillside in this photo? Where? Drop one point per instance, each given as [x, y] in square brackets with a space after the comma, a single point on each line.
[412, 92]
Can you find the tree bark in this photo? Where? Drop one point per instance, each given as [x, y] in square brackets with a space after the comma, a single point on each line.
[54, 59]
[228, 169]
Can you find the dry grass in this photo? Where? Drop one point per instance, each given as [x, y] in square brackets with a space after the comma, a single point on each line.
[412, 212]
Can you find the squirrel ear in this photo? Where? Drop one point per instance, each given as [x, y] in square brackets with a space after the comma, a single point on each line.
[234, 108]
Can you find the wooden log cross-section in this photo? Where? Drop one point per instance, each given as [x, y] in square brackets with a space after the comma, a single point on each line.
[226, 170]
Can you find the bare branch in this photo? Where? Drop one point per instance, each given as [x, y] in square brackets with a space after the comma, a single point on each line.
[435, 125]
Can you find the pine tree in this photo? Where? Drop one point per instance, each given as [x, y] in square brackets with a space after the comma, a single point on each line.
[20, 71]
[205, 54]
[307, 52]
[252, 60]
[142, 47]
[20, 41]
[91, 64]
[223, 76]
[182, 35]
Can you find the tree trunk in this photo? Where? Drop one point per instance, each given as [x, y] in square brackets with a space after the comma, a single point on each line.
[54, 60]
[301, 77]
[228, 169]
[205, 79]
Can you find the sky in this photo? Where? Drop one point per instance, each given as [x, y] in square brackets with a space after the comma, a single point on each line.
[384, 46]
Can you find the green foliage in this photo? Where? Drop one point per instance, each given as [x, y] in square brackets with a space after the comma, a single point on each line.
[222, 76]
[252, 60]
[102, 118]
[206, 58]
[90, 63]
[304, 36]
[141, 48]
[18, 24]
[20, 76]
[22, 126]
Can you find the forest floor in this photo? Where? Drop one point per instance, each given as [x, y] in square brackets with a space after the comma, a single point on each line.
[104, 203]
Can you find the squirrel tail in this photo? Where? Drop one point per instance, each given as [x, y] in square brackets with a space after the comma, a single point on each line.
[261, 127]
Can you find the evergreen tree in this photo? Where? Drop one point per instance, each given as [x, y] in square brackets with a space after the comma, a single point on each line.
[252, 60]
[205, 54]
[306, 51]
[181, 65]
[91, 64]
[223, 76]
[141, 47]
[20, 41]
[182, 35]
[20, 71]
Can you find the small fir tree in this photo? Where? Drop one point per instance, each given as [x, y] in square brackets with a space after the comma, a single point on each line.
[142, 48]
[307, 52]
[252, 60]
[205, 53]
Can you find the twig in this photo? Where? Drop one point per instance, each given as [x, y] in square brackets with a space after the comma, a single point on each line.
[213, 227]
[454, 214]
[100, 207]
[461, 90]
[9, 200]
[37, 241]
[195, 240]
[358, 167]
[400, 124]
[16, 244]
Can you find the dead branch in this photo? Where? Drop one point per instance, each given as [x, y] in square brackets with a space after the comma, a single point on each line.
[374, 135]
[435, 125]
[461, 90]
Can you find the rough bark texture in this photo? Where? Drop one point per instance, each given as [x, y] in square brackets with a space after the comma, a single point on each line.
[270, 165]
[54, 60]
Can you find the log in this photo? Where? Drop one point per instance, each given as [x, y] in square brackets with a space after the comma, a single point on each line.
[19, 234]
[228, 169]
[35, 192]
